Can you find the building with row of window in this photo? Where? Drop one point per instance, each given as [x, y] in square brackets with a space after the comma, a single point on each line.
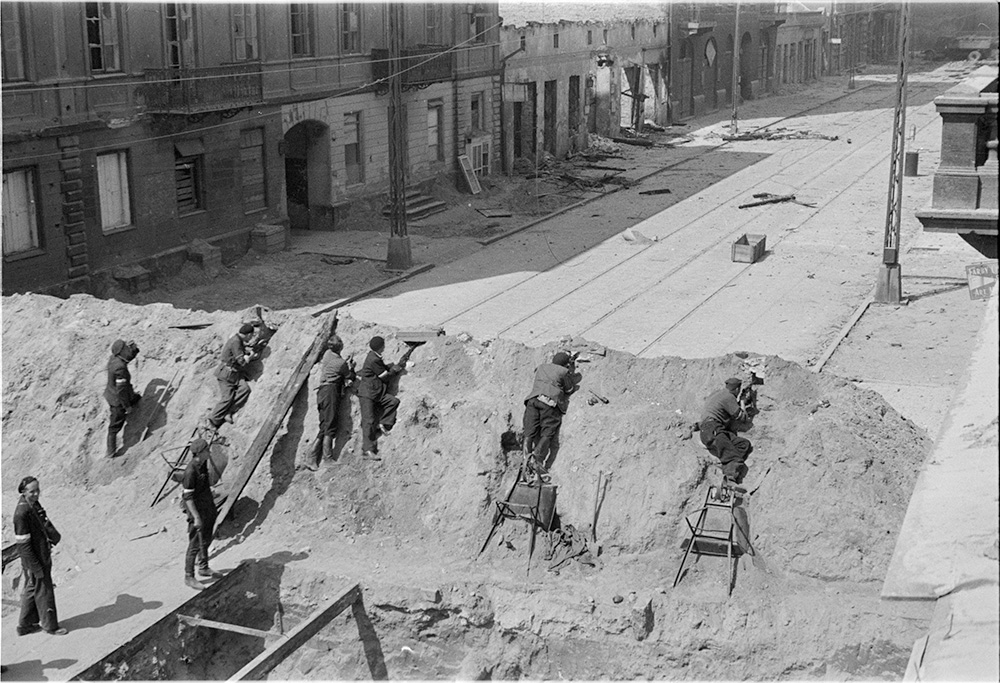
[130, 130]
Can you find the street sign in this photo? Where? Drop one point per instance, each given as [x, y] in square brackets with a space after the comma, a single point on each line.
[982, 279]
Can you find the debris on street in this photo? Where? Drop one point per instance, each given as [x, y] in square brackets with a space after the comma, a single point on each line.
[778, 134]
[768, 198]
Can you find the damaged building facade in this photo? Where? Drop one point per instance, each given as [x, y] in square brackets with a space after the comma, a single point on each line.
[571, 70]
[574, 69]
[132, 131]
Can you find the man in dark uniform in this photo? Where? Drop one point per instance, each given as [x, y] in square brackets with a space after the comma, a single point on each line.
[720, 420]
[336, 374]
[544, 408]
[199, 505]
[233, 387]
[378, 407]
[118, 392]
[35, 535]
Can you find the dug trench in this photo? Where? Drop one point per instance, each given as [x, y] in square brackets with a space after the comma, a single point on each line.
[831, 473]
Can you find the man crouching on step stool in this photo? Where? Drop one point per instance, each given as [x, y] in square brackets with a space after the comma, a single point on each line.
[544, 408]
[717, 429]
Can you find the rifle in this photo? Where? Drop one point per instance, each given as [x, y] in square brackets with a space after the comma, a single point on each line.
[401, 363]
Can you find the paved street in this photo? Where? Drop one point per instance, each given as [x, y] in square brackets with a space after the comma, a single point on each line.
[681, 294]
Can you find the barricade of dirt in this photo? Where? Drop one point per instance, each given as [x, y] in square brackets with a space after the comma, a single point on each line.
[832, 470]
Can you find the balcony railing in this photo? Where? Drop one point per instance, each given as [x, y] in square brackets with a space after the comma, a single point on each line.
[420, 66]
[204, 89]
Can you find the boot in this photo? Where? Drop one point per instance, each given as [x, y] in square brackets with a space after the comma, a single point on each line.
[328, 448]
[192, 582]
[112, 444]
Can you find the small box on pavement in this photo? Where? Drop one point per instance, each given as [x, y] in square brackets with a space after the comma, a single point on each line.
[749, 248]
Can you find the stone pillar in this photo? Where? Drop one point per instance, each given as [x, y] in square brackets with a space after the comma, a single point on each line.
[956, 183]
[74, 226]
[989, 173]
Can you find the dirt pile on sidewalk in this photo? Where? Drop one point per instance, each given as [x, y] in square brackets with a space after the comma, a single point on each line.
[831, 473]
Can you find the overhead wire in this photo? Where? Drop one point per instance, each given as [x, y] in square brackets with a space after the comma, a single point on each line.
[243, 121]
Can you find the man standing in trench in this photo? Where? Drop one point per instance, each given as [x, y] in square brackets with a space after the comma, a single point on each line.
[233, 388]
[199, 506]
[336, 374]
[718, 426]
[119, 392]
[544, 408]
[378, 407]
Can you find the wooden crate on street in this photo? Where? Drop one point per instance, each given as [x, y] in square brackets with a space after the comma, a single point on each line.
[749, 248]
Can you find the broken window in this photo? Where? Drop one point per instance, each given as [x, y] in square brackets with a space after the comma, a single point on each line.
[180, 42]
[523, 42]
[20, 212]
[303, 39]
[476, 112]
[245, 32]
[432, 23]
[102, 36]
[480, 17]
[188, 176]
[350, 28]
[113, 188]
[590, 37]
[353, 161]
[435, 136]
[555, 41]
[13, 54]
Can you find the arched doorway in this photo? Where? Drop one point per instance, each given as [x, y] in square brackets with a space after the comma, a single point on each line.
[712, 73]
[307, 176]
[746, 66]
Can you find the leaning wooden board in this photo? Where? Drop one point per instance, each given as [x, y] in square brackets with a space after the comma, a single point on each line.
[273, 422]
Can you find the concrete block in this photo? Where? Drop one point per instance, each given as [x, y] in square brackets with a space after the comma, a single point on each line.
[268, 239]
[66, 164]
[133, 278]
[79, 259]
[207, 256]
[78, 271]
[76, 236]
[76, 249]
[71, 185]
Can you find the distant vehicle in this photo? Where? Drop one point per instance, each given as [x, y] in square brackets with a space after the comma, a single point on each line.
[972, 47]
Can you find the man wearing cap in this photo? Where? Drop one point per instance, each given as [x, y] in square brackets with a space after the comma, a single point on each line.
[544, 408]
[336, 374]
[118, 392]
[233, 387]
[718, 426]
[378, 407]
[199, 505]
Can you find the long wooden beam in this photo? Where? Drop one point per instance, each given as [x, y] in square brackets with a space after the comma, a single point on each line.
[274, 655]
[273, 422]
[223, 626]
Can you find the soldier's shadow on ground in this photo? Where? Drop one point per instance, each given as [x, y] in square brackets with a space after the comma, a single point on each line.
[31, 669]
[125, 606]
[247, 516]
[150, 414]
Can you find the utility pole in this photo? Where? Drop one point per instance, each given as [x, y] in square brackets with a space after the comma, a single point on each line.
[888, 289]
[399, 257]
[736, 70]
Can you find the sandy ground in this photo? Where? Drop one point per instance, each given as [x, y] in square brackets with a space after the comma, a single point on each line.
[810, 609]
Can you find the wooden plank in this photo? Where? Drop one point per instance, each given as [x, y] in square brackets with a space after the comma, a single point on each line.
[273, 422]
[470, 175]
[274, 655]
[222, 626]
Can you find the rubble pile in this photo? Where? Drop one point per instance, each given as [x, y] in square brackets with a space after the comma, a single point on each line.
[830, 476]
